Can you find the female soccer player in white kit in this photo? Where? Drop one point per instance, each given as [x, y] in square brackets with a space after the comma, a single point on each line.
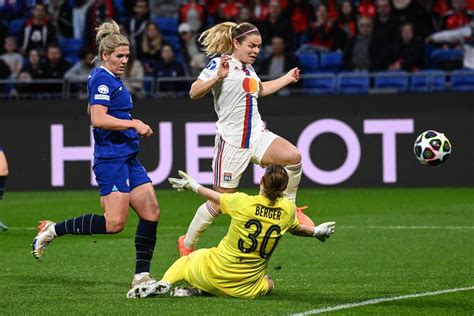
[241, 134]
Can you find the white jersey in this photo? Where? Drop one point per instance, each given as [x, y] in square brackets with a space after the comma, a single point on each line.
[235, 101]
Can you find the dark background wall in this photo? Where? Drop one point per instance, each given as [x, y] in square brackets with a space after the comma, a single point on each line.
[26, 133]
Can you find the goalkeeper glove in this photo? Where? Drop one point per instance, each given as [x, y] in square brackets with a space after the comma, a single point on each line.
[186, 182]
[324, 230]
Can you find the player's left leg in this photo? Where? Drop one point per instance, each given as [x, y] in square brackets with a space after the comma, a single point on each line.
[271, 284]
[279, 151]
[143, 201]
[283, 153]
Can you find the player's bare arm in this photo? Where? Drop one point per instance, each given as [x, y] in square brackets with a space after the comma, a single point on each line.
[270, 87]
[200, 88]
[100, 119]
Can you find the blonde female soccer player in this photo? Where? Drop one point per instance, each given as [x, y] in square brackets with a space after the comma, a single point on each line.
[238, 266]
[241, 134]
[122, 180]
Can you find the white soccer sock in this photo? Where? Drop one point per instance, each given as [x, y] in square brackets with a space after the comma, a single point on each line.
[205, 214]
[294, 178]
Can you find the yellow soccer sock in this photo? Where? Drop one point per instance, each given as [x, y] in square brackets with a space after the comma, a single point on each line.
[176, 273]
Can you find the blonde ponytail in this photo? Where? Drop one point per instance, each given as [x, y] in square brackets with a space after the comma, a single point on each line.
[218, 39]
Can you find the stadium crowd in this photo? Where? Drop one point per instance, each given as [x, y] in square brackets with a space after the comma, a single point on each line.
[53, 39]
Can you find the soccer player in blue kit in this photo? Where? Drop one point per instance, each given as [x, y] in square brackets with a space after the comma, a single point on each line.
[122, 180]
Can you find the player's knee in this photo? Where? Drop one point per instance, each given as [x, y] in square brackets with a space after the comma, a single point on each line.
[3, 171]
[114, 225]
[271, 284]
[294, 158]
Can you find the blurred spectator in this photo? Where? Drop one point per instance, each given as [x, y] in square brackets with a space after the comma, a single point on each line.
[3, 35]
[60, 14]
[244, 15]
[275, 25]
[367, 8]
[357, 55]
[463, 35]
[279, 62]
[136, 25]
[385, 37]
[37, 32]
[133, 78]
[411, 11]
[79, 17]
[195, 59]
[347, 21]
[411, 51]
[169, 67]
[99, 11]
[258, 10]
[298, 11]
[11, 57]
[5, 73]
[228, 10]
[31, 71]
[149, 51]
[459, 16]
[164, 8]
[80, 72]
[55, 66]
[193, 13]
[324, 34]
[333, 11]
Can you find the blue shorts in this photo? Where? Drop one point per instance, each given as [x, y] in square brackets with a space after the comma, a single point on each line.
[120, 174]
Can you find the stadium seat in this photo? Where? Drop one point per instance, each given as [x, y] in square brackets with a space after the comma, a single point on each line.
[462, 81]
[168, 26]
[15, 27]
[353, 83]
[391, 81]
[331, 61]
[446, 58]
[308, 61]
[319, 83]
[148, 85]
[70, 48]
[174, 42]
[428, 81]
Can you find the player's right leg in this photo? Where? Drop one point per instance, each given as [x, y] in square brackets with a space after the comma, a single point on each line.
[228, 165]
[115, 208]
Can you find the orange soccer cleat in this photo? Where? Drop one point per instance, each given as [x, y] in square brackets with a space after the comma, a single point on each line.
[183, 250]
[302, 217]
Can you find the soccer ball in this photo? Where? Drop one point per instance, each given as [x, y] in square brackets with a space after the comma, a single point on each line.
[432, 148]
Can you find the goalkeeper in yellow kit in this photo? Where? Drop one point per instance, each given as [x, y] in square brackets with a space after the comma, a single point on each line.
[238, 266]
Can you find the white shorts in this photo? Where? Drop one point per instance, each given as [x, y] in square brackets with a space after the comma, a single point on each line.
[230, 162]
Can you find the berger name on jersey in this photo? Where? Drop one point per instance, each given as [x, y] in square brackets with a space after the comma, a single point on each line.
[270, 213]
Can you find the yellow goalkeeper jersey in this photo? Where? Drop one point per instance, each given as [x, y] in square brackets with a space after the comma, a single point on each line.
[237, 267]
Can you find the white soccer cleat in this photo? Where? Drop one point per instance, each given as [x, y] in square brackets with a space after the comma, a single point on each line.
[143, 285]
[46, 234]
[185, 291]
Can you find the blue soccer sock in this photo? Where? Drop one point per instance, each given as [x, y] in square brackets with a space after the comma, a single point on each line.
[145, 239]
[86, 224]
[3, 180]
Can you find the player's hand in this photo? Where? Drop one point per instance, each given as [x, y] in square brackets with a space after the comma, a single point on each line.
[293, 75]
[142, 129]
[224, 67]
[186, 182]
[324, 231]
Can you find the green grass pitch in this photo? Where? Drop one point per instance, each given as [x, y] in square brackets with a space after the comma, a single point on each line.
[388, 242]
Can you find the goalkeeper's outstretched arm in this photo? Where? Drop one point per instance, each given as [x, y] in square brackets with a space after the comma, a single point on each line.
[321, 232]
[187, 183]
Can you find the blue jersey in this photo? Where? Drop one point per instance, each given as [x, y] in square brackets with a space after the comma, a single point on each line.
[106, 89]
